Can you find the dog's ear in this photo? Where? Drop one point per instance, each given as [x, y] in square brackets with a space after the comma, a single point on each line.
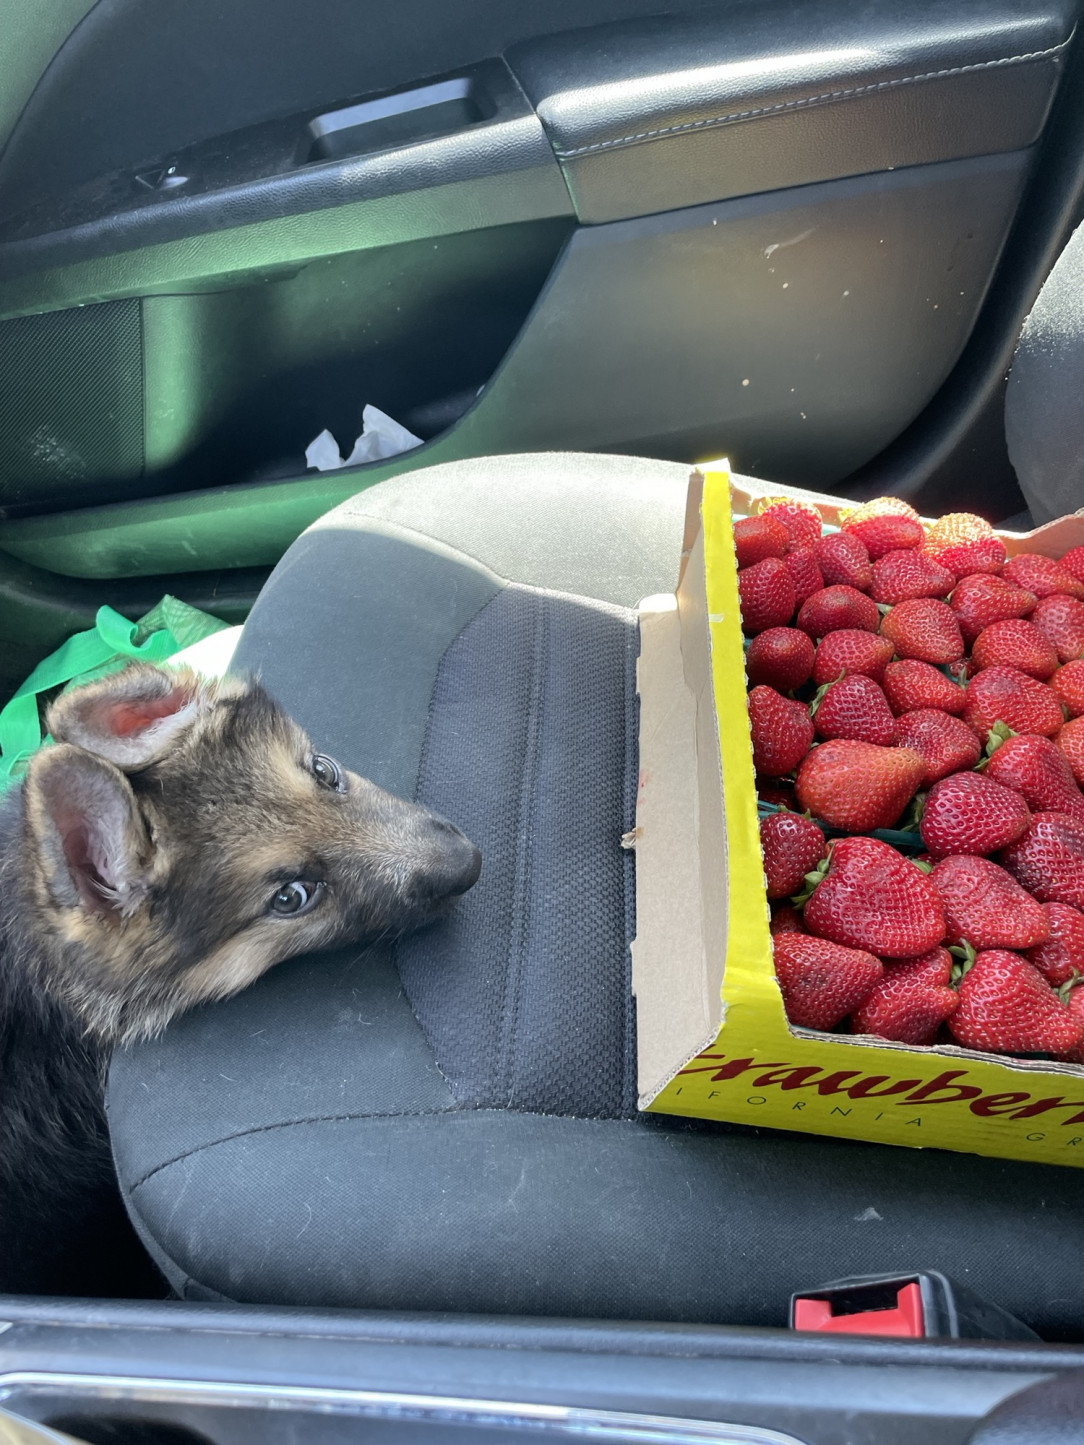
[92, 843]
[133, 717]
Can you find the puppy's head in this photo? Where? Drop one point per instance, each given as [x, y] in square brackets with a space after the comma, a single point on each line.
[184, 837]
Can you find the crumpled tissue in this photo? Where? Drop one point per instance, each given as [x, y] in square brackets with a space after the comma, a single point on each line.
[380, 437]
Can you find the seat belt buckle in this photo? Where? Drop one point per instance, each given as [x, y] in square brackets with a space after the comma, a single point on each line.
[926, 1305]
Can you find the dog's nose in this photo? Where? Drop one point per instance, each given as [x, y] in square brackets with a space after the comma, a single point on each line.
[458, 864]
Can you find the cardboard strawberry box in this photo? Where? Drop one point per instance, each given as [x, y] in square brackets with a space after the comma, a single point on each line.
[714, 1039]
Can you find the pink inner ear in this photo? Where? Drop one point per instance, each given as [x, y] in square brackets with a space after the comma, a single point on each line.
[126, 718]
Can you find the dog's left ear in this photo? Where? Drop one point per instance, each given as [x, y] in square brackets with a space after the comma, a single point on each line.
[92, 845]
[131, 718]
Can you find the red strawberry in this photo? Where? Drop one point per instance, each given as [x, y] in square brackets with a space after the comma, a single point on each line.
[872, 897]
[1075, 1005]
[792, 847]
[767, 595]
[1073, 562]
[782, 657]
[1062, 955]
[911, 1002]
[1068, 683]
[1006, 1005]
[782, 731]
[965, 544]
[843, 561]
[978, 601]
[758, 537]
[803, 523]
[947, 743]
[925, 629]
[987, 908]
[850, 651]
[1070, 741]
[1001, 694]
[882, 535]
[786, 919]
[899, 576]
[1041, 575]
[886, 524]
[779, 791]
[806, 575]
[1049, 859]
[834, 608]
[856, 786]
[910, 685]
[1061, 621]
[820, 981]
[854, 707]
[1018, 644]
[968, 813]
[1036, 769]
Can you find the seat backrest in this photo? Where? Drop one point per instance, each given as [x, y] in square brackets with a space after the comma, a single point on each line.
[1044, 404]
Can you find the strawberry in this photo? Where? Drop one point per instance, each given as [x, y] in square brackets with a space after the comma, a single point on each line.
[758, 537]
[1006, 1005]
[910, 685]
[1002, 694]
[1075, 1005]
[792, 847]
[872, 897]
[1062, 955]
[1073, 563]
[837, 607]
[1049, 859]
[1070, 741]
[851, 651]
[986, 907]
[899, 576]
[1036, 769]
[1041, 575]
[857, 786]
[925, 629]
[890, 532]
[782, 657]
[843, 561]
[786, 919]
[1068, 683]
[878, 507]
[802, 522]
[805, 574]
[779, 791]
[1061, 621]
[782, 731]
[886, 524]
[911, 1002]
[854, 707]
[947, 743]
[767, 595]
[820, 981]
[1015, 643]
[969, 813]
[980, 600]
[965, 544]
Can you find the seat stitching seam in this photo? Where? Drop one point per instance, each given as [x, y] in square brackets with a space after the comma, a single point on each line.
[524, 851]
[347, 1118]
[825, 98]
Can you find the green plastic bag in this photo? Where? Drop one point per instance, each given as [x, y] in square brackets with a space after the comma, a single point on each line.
[168, 628]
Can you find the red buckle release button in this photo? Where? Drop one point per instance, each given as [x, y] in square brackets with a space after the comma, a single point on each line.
[904, 1319]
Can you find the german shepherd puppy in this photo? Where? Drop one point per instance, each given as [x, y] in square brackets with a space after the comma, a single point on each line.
[178, 840]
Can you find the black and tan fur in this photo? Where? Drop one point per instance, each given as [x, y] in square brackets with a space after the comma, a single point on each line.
[148, 864]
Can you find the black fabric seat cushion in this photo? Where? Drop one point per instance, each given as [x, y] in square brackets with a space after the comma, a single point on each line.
[451, 1124]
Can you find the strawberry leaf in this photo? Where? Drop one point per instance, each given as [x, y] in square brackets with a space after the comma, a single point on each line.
[999, 733]
[967, 955]
[922, 865]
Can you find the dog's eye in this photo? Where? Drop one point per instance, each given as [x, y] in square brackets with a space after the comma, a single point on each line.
[296, 898]
[327, 772]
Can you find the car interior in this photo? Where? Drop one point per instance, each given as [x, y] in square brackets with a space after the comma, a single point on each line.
[406, 1192]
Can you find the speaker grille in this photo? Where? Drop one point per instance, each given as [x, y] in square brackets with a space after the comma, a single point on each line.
[71, 401]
